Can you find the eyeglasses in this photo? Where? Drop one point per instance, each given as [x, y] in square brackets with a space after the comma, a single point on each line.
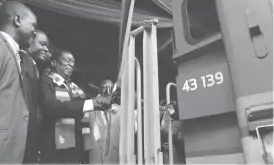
[106, 90]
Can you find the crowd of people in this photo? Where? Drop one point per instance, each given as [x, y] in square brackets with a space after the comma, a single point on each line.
[44, 116]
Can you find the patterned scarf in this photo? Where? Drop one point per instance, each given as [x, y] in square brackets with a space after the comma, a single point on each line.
[76, 92]
[65, 128]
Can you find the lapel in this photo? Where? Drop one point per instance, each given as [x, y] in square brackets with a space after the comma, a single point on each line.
[32, 64]
[36, 71]
[51, 84]
[13, 54]
[17, 65]
[27, 61]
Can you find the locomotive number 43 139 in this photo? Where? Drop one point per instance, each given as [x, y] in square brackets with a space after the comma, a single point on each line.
[209, 80]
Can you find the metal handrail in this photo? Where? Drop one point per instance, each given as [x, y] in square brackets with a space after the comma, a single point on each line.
[170, 141]
[139, 113]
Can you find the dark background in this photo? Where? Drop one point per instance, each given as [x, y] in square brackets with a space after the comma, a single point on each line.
[95, 46]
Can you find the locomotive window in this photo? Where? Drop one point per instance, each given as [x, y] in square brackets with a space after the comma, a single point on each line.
[201, 19]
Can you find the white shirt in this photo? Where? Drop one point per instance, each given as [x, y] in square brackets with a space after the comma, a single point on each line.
[13, 44]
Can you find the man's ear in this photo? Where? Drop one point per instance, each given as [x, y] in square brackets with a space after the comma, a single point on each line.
[17, 21]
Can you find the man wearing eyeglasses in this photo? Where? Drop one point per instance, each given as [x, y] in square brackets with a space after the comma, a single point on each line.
[103, 145]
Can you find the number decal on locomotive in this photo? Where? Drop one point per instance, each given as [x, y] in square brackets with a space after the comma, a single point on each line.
[209, 80]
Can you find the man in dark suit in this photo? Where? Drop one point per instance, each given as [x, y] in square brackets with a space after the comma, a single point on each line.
[17, 29]
[63, 106]
[35, 55]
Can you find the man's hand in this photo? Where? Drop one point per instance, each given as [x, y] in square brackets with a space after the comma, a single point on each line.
[102, 102]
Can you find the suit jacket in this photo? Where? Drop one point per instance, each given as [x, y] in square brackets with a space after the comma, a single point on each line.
[30, 75]
[52, 110]
[14, 112]
[97, 153]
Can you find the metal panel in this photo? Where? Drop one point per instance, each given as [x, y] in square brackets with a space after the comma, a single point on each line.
[246, 27]
[205, 100]
[209, 138]
[250, 75]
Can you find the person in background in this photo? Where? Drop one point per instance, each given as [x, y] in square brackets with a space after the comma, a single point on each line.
[31, 59]
[105, 128]
[64, 105]
[17, 30]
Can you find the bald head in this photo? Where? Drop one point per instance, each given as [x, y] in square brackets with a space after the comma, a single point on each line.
[19, 22]
[13, 8]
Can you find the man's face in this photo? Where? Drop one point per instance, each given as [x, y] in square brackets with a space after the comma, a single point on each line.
[39, 48]
[65, 65]
[106, 87]
[26, 29]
